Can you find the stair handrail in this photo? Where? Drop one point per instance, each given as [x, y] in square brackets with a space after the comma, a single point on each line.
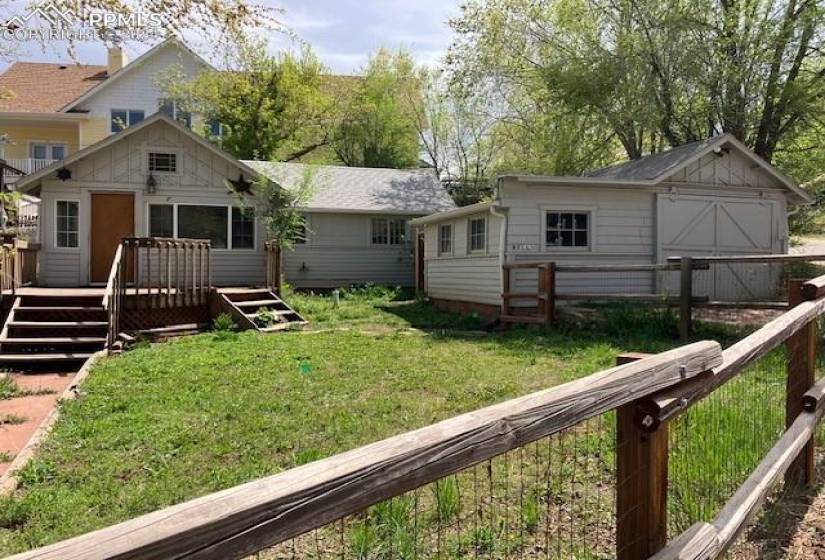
[112, 297]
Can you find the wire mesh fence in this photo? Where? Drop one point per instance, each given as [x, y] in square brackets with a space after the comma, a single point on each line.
[716, 444]
[553, 498]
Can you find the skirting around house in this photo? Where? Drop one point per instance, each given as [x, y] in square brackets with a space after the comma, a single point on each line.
[484, 310]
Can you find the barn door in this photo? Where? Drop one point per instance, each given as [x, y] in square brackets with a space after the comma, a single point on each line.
[702, 226]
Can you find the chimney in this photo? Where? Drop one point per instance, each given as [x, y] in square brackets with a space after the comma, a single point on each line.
[117, 59]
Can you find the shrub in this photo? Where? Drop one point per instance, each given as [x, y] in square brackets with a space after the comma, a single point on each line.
[223, 323]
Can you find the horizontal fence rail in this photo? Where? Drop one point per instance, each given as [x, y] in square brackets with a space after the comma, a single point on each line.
[690, 442]
[242, 520]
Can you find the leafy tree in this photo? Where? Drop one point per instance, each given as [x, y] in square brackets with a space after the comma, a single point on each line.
[655, 73]
[219, 22]
[377, 127]
[269, 107]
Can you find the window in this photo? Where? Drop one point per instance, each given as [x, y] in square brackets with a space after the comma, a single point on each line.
[161, 220]
[122, 118]
[227, 227]
[243, 228]
[387, 231]
[163, 162]
[398, 232]
[567, 229]
[478, 234]
[170, 107]
[43, 150]
[204, 222]
[215, 128]
[380, 232]
[445, 239]
[66, 223]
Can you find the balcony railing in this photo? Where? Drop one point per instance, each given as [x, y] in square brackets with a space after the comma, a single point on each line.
[26, 165]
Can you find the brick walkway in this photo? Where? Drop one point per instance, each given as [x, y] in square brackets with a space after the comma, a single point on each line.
[30, 409]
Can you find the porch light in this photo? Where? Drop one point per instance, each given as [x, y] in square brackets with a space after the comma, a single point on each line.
[151, 184]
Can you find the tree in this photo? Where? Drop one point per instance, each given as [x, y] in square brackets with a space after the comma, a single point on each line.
[656, 73]
[269, 107]
[377, 128]
[220, 22]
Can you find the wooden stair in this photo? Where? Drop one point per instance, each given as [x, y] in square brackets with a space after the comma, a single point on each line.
[52, 331]
[244, 304]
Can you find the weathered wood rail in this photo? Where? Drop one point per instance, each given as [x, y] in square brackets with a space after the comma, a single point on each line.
[240, 521]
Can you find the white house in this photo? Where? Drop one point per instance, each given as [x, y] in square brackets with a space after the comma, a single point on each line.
[712, 197]
[357, 222]
[157, 178]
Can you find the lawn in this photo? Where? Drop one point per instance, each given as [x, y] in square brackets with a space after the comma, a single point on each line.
[167, 422]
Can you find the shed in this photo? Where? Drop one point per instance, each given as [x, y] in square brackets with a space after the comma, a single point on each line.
[713, 197]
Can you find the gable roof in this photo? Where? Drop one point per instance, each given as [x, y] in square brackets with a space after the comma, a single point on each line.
[45, 87]
[30, 182]
[655, 168]
[131, 67]
[361, 189]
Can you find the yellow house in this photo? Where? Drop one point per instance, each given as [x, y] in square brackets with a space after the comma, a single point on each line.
[49, 111]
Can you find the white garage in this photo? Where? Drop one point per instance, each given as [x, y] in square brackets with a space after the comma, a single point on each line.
[713, 197]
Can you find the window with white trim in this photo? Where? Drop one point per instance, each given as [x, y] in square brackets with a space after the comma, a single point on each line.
[227, 227]
[171, 108]
[477, 231]
[243, 228]
[567, 229]
[445, 239]
[163, 162]
[388, 231]
[161, 220]
[66, 223]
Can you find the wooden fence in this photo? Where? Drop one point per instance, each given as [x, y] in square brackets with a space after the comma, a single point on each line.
[642, 395]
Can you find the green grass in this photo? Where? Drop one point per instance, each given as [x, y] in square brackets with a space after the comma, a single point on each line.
[168, 422]
[10, 390]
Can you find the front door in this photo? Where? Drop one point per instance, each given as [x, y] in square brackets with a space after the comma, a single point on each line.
[113, 218]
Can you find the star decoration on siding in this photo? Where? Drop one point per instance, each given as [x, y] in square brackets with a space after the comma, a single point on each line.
[241, 186]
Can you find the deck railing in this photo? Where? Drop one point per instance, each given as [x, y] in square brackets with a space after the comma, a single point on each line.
[113, 298]
[526, 477]
[168, 272]
[274, 272]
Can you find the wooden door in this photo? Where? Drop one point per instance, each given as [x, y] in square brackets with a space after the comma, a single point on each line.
[113, 218]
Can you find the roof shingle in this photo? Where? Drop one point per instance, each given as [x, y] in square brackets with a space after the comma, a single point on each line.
[360, 189]
[45, 87]
[652, 166]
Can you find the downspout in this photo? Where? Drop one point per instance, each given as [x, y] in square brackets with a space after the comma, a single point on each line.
[502, 239]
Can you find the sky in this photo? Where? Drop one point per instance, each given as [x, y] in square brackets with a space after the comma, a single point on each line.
[342, 32]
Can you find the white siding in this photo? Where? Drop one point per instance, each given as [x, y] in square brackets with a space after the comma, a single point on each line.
[121, 167]
[339, 252]
[139, 88]
[461, 275]
[731, 168]
[622, 231]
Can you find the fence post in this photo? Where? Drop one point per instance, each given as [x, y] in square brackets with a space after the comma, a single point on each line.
[641, 483]
[549, 294]
[801, 348]
[685, 297]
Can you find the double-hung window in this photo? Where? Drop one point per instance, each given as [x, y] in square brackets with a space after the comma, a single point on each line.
[477, 231]
[46, 151]
[227, 227]
[388, 231]
[66, 223]
[123, 118]
[445, 239]
[567, 229]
